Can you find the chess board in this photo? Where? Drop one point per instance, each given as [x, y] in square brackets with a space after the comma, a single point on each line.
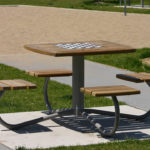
[78, 45]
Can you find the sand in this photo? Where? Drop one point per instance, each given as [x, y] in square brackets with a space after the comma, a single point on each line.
[29, 24]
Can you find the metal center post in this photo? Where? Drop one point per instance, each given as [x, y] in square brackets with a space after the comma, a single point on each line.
[77, 83]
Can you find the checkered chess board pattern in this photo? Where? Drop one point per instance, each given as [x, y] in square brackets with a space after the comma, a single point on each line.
[78, 45]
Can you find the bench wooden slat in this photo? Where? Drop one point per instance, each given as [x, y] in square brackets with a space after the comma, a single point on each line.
[110, 90]
[4, 87]
[135, 77]
[89, 90]
[114, 93]
[12, 83]
[142, 76]
[15, 84]
[49, 73]
[28, 84]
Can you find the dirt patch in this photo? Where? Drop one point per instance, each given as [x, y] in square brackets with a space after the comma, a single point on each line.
[146, 61]
[30, 24]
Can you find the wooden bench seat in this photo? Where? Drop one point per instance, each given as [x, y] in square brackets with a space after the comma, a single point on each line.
[135, 77]
[110, 90]
[49, 73]
[15, 84]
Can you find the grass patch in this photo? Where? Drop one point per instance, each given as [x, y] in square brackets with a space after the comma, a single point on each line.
[102, 5]
[33, 100]
[126, 145]
[129, 61]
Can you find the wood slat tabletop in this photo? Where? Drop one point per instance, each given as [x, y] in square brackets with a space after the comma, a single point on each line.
[79, 48]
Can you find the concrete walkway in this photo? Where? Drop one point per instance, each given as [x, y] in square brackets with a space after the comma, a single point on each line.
[69, 131]
[95, 74]
[4, 147]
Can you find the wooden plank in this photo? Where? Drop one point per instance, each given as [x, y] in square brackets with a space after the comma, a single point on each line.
[89, 90]
[141, 76]
[13, 85]
[145, 76]
[16, 84]
[135, 77]
[49, 73]
[110, 90]
[129, 77]
[4, 87]
[145, 73]
[115, 93]
[28, 84]
[32, 73]
[52, 49]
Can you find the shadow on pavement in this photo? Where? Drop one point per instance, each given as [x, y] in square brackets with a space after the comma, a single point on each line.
[128, 129]
[33, 129]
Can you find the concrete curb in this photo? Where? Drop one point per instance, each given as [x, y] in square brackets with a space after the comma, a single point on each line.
[4, 147]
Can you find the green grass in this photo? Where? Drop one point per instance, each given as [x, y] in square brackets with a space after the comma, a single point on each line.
[129, 61]
[33, 100]
[126, 145]
[105, 5]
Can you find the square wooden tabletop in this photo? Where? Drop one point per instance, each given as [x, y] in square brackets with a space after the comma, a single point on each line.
[79, 48]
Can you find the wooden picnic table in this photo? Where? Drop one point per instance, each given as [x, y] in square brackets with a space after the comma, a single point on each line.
[78, 50]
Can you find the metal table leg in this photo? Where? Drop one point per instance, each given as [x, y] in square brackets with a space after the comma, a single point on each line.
[77, 83]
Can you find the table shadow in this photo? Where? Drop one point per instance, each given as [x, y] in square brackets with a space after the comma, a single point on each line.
[128, 129]
[32, 129]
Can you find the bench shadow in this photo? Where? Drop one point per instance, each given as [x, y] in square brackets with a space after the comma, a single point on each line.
[128, 129]
[33, 129]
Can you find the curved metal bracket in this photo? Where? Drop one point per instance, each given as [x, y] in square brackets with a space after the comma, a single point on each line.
[23, 124]
[128, 116]
[47, 101]
[99, 127]
[55, 114]
[1, 93]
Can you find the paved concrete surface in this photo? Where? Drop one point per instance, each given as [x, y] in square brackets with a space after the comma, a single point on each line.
[95, 74]
[4, 147]
[68, 131]
[137, 6]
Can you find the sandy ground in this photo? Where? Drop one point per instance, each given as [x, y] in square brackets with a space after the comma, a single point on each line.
[27, 24]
